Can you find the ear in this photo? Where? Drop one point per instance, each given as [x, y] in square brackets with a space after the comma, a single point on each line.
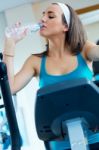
[65, 28]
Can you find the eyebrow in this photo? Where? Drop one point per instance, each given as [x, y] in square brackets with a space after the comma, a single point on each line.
[49, 12]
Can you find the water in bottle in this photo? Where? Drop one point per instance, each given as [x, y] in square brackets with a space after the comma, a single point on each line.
[16, 31]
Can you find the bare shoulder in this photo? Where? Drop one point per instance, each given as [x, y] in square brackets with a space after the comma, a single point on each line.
[35, 61]
[35, 57]
[89, 44]
[87, 48]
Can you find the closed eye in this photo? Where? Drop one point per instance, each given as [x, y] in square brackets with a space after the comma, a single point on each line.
[51, 17]
[50, 14]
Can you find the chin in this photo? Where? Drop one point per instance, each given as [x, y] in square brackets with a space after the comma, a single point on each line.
[43, 35]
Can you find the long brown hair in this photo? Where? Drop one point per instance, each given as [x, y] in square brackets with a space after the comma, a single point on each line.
[76, 35]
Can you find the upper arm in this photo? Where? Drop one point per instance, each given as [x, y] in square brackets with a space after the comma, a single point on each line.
[24, 75]
[91, 51]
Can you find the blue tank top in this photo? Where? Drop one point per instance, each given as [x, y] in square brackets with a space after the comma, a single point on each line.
[82, 71]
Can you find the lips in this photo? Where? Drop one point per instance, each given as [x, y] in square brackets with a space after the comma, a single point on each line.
[43, 27]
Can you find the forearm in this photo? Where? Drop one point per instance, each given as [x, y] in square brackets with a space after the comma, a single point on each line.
[8, 58]
[16, 82]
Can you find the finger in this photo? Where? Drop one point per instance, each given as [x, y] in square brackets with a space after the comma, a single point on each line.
[16, 25]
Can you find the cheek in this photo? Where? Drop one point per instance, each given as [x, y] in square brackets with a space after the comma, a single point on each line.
[57, 28]
[52, 29]
[57, 25]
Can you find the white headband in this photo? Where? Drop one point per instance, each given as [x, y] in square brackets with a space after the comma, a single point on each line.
[66, 12]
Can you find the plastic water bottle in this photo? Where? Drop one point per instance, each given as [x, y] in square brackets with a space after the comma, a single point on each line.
[16, 31]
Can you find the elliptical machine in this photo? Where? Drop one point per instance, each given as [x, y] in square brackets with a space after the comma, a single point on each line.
[69, 111]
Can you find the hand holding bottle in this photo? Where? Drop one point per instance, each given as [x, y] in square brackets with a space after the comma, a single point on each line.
[14, 33]
[18, 32]
[11, 38]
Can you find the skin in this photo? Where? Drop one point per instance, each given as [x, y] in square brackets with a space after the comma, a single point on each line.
[58, 56]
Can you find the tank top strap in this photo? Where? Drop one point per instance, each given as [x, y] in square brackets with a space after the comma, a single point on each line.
[81, 60]
[42, 68]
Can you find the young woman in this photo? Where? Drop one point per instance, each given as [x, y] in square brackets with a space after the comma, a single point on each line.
[69, 54]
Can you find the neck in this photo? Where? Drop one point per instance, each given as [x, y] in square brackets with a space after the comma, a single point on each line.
[57, 47]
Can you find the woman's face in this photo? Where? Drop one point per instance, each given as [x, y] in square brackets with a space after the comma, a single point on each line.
[52, 22]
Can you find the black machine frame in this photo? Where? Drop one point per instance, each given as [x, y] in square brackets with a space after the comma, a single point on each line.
[16, 141]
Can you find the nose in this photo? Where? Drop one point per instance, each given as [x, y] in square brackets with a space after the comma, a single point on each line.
[44, 19]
